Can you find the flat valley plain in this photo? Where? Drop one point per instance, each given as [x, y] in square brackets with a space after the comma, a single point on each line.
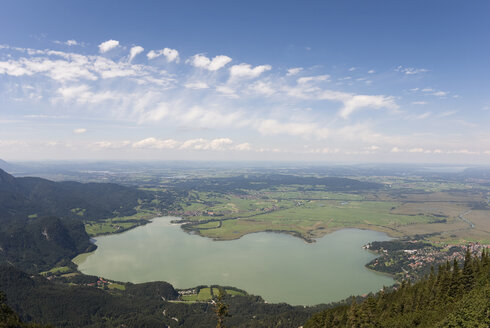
[438, 211]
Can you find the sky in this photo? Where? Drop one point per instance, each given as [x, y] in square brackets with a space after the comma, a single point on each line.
[313, 81]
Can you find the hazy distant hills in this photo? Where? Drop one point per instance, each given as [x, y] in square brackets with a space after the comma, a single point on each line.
[6, 166]
[262, 181]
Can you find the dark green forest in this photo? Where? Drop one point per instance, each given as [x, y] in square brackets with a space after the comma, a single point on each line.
[22, 198]
[36, 299]
[454, 297]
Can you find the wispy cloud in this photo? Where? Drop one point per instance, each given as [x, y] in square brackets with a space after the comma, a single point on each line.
[281, 108]
[410, 70]
[69, 43]
[79, 130]
[294, 71]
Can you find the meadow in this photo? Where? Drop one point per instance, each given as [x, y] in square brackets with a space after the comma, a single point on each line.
[407, 208]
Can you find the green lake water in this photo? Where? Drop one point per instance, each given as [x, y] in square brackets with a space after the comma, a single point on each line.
[278, 267]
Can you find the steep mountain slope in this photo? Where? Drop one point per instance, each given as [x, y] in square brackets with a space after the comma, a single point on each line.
[41, 221]
[39, 244]
[23, 197]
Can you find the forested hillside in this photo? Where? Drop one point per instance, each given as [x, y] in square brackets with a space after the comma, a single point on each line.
[10, 319]
[454, 297]
[147, 305]
[21, 198]
[37, 245]
[41, 221]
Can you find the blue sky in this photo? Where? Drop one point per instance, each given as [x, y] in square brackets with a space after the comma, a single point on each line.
[333, 81]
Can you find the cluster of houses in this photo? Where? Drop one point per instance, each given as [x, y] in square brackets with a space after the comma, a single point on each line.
[187, 292]
[101, 283]
[423, 257]
[414, 263]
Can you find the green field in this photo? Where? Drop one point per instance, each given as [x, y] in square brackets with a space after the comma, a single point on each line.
[116, 286]
[57, 271]
[207, 293]
[410, 207]
[118, 224]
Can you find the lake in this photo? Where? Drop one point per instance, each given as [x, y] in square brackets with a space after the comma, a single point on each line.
[278, 267]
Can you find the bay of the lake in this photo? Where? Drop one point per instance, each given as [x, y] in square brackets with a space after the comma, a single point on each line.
[278, 267]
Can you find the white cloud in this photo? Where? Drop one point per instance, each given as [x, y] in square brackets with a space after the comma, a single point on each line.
[198, 116]
[111, 144]
[352, 69]
[435, 92]
[69, 43]
[463, 151]
[156, 114]
[243, 147]
[79, 131]
[263, 88]
[170, 54]
[82, 95]
[410, 70]
[204, 62]
[423, 116]
[247, 71]
[73, 92]
[371, 71]
[361, 101]
[204, 144]
[60, 70]
[196, 85]
[351, 102]
[218, 144]
[152, 54]
[294, 71]
[318, 78]
[108, 45]
[156, 143]
[200, 144]
[226, 90]
[146, 97]
[135, 51]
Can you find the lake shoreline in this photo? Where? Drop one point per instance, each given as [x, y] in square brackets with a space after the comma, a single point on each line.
[276, 241]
